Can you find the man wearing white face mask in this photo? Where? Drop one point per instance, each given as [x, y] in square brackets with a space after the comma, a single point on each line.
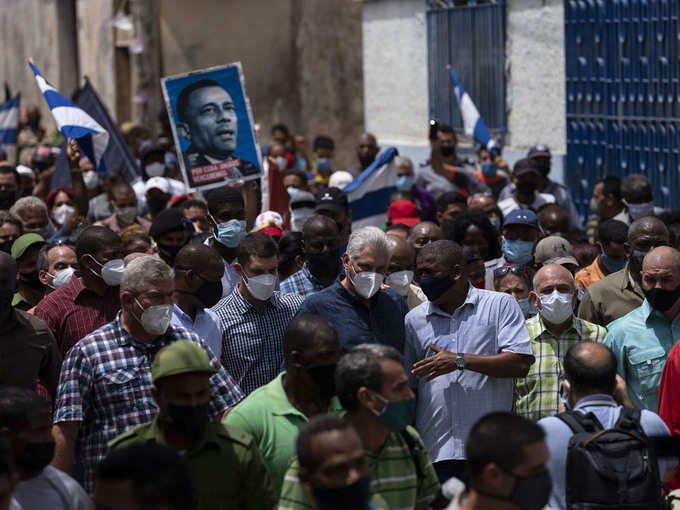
[56, 264]
[355, 305]
[254, 317]
[92, 299]
[636, 191]
[105, 383]
[401, 270]
[553, 331]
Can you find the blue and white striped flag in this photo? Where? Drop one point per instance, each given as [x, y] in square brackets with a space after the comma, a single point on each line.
[369, 193]
[472, 121]
[9, 123]
[75, 123]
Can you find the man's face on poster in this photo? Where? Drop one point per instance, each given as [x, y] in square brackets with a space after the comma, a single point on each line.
[211, 123]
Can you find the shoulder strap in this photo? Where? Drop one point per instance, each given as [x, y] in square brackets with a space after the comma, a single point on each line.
[629, 419]
[579, 422]
[415, 451]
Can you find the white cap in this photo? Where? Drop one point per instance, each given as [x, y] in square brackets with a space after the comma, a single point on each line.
[24, 170]
[340, 179]
[160, 183]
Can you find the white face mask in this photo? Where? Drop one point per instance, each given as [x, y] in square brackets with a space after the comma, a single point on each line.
[557, 307]
[91, 179]
[298, 218]
[62, 213]
[281, 162]
[155, 169]
[62, 277]
[367, 283]
[112, 271]
[400, 281]
[155, 319]
[261, 287]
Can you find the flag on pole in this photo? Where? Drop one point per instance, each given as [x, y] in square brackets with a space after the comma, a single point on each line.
[369, 194]
[75, 123]
[9, 123]
[473, 123]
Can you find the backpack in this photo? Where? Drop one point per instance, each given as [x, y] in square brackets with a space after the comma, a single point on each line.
[612, 468]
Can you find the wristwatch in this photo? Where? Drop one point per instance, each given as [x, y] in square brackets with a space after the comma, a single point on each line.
[460, 361]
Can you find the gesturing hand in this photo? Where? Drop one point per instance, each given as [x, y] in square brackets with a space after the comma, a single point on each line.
[443, 362]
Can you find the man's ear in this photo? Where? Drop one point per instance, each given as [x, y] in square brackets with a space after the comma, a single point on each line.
[184, 131]
[42, 276]
[535, 300]
[126, 299]
[238, 268]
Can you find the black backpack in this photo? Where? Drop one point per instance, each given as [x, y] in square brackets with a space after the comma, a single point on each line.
[611, 468]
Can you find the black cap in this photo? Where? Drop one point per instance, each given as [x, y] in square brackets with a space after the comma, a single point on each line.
[331, 199]
[170, 220]
[524, 166]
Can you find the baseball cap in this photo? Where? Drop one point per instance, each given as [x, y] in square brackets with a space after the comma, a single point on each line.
[554, 250]
[521, 217]
[22, 243]
[148, 150]
[331, 199]
[340, 179]
[160, 183]
[404, 212]
[180, 357]
[169, 220]
[268, 218]
[524, 166]
[538, 151]
[302, 199]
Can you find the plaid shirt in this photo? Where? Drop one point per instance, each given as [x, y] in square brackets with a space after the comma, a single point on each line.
[73, 312]
[303, 283]
[252, 338]
[538, 394]
[106, 385]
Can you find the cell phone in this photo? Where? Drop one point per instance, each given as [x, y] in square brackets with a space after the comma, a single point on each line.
[434, 128]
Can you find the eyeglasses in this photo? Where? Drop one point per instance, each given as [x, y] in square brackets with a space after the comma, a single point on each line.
[499, 272]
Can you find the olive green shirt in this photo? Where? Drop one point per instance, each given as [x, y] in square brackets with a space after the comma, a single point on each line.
[227, 469]
[20, 303]
[610, 298]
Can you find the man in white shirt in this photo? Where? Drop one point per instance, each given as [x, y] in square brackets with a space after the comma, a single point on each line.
[525, 177]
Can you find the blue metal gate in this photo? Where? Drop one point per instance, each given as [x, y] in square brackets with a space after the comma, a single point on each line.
[623, 94]
[470, 36]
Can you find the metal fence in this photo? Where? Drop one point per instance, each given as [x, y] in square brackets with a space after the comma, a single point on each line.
[623, 94]
[470, 36]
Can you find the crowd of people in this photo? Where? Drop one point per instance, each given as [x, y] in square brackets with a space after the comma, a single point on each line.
[162, 349]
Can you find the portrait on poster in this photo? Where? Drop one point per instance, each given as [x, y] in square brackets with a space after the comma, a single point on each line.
[213, 126]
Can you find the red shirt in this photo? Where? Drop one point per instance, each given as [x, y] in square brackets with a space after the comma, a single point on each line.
[72, 312]
[669, 404]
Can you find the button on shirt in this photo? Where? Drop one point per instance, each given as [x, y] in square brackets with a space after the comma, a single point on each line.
[206, 325]
[302, 283]
[252, 337]
[558, 434]
[487, 323]
[106, 385]
[538, 394]
[380, 323]
[641, 341]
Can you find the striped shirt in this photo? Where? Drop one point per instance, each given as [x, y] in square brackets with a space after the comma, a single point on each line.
[303, 283]
[538, 394]
[252, 338]
[105, 385]
[394, 483]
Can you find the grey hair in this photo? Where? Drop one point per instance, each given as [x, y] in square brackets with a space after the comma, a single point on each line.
[403, 162]
[140, 271]
[28, 204]
[368, 237]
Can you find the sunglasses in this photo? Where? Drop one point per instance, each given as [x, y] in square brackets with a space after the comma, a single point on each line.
[502, 271]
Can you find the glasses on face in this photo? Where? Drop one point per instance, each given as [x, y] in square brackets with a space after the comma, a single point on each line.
[499, 272]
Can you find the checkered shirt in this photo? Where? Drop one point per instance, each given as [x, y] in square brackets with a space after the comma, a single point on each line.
[302, 283]
[105, 385]
[538, 394]
[252, 338]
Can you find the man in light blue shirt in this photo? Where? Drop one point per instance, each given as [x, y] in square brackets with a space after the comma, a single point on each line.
[198, 286]
[463, 348]
[590, 370]
[642, 339]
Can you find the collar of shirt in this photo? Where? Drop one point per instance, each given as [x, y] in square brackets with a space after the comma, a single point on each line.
[627, 281]
[280, 405]
[598, 399]
[470, 300]
[575, 326]
[308, 274]
[208, 439]
[340, 289]
[125, 338]
[186, 318]
[650, 313]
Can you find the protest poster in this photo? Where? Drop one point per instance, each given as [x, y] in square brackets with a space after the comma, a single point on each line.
[212, 124]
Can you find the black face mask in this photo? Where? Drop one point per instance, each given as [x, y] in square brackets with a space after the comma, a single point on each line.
[156, 204]
[662, 299]
[31, 280]
[169, 253]
[532, 492]
[324, 378]
[366, 160]
[190, 420]
[526, 188]
[447, 151]
[6, 246]
[545, 170]
[325, 262]
[6, 296]
[356, 496]
[7, 199]
[209, 293]
[36, 456]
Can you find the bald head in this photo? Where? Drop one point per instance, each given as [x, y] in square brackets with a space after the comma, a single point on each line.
[8, 271]
[590, 368]
[662, 257]
[481, 202]
[551, 277]
[423, 233]
[647, 227]
[404, 255]
[199, 258]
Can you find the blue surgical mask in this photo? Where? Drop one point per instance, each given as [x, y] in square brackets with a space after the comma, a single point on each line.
[231, 232]
[518, 252]
[612, 265]
[489, 170]
[323, 164]
[528, 309]
[292, 191]
[405, 182]
[638, 211]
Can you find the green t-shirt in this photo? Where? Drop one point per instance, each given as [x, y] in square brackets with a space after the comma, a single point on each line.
[269, 417]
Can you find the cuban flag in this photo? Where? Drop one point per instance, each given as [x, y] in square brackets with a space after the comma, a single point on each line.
[472, 121]
[369, 194]
[75, 123]
[9, 122]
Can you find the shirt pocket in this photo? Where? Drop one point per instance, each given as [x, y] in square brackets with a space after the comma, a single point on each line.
[117, 389]
[647, 366]
[478, 339]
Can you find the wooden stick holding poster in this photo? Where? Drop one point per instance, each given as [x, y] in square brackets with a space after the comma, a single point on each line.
[212, 124]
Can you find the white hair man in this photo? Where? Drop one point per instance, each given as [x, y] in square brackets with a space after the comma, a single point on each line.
[356, 305]
[105, 384]
[33, 215]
